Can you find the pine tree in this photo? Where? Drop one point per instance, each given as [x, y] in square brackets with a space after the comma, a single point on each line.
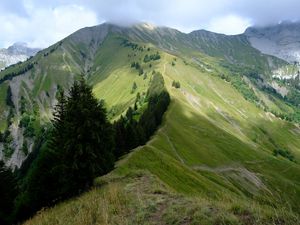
[8, 192]
[129, 114]
[132, 139]
[83, 138]
[135, 106]
[120, 137]
[9, 101]
[81, 147]
[138, 97]
[134, 87]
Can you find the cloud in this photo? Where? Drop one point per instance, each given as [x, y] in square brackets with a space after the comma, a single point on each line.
[44, 22]
[230, 24]
[268, 12]
[13, 6]
[44, 26]
[185, 15]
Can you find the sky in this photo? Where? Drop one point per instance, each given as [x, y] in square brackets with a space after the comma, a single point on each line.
[41, 23]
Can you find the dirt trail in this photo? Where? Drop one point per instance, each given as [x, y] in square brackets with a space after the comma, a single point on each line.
[173, 147]
[258, 161]
[193, 100]
[238, 173]
[227, 101]
[164, 72]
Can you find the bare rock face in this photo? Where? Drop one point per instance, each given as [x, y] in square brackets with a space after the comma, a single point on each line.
[281, 40]
[18, 52]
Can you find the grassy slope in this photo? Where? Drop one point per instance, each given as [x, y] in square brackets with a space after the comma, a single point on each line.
[211, 161]
[119, 75]
[39, 85]
[60, 67]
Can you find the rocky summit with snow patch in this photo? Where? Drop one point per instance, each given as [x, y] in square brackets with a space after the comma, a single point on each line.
[18, 52]
[281, 40]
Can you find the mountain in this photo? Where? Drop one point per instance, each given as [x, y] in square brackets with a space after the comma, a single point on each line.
[18, 52]
[280, 40]
[227, 151]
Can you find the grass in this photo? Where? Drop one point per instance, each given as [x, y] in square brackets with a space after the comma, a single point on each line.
[119, 76]
[211, 161]
[141, 198]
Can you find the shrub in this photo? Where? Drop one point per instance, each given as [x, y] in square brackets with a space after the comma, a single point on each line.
[284, 153]
[175, 84]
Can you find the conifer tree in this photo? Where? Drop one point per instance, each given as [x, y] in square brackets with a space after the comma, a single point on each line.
[83, 138]
[81, 147]
[120, 138]
[7, 193]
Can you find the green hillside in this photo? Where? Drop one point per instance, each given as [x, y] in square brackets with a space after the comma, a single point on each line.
[222, 155]
[211, 162]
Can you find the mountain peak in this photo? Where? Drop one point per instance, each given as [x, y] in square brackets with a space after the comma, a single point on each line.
[20, 44]
[17, 52]
[280, 40]
[146, 25]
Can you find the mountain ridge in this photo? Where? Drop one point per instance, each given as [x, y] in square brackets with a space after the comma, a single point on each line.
[79, 54]
[228, 139]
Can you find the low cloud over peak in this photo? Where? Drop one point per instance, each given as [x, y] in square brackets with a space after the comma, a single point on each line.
[41, 23]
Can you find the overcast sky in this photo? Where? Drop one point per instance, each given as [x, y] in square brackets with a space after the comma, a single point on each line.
[44, 22]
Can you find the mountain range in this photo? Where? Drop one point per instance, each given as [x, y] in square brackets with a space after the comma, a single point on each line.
[227, 151]
[18, 52]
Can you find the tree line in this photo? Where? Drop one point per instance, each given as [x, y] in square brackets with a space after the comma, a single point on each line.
[11, 75]
[152, 57]
[130, 132]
